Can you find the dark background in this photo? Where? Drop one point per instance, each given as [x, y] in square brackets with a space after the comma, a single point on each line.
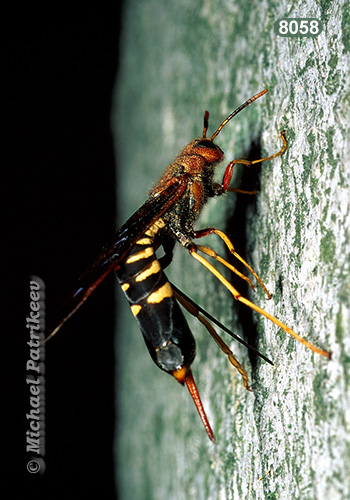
[59, 98]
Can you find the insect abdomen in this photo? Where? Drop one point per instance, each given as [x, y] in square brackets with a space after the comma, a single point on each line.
[161, 321]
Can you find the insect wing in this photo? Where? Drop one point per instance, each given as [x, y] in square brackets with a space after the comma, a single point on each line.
[113, 254]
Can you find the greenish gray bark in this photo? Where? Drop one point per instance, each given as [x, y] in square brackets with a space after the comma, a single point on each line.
[289, 438]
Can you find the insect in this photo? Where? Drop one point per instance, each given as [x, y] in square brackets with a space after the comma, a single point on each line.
[168, 216]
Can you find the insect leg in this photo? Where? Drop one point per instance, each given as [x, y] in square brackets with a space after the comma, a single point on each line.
[229, 169]
[223, 346]
[194, 253]
[217, 323]
[242, 191]
[214, 255]
[212, 230]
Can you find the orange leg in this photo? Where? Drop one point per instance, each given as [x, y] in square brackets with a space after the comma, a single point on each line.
[223, 346]
[229, 169]
[211, 253]
[237, 296]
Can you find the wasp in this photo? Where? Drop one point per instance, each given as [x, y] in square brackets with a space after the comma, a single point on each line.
[168, 216]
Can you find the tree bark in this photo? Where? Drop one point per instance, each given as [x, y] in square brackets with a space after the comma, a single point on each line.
[289, 438]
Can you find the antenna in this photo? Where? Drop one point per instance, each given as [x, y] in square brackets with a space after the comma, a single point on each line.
[234, 113]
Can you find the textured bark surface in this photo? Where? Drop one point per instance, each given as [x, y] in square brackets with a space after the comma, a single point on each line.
[289, 438]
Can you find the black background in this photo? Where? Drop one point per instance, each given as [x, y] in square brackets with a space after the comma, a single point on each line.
[59, 99]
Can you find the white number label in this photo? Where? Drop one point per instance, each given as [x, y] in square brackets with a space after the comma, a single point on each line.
[297, 27]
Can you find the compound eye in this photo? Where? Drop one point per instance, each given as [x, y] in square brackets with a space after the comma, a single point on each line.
[206, 143]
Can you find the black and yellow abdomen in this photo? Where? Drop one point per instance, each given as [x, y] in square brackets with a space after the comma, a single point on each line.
[161, 321]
